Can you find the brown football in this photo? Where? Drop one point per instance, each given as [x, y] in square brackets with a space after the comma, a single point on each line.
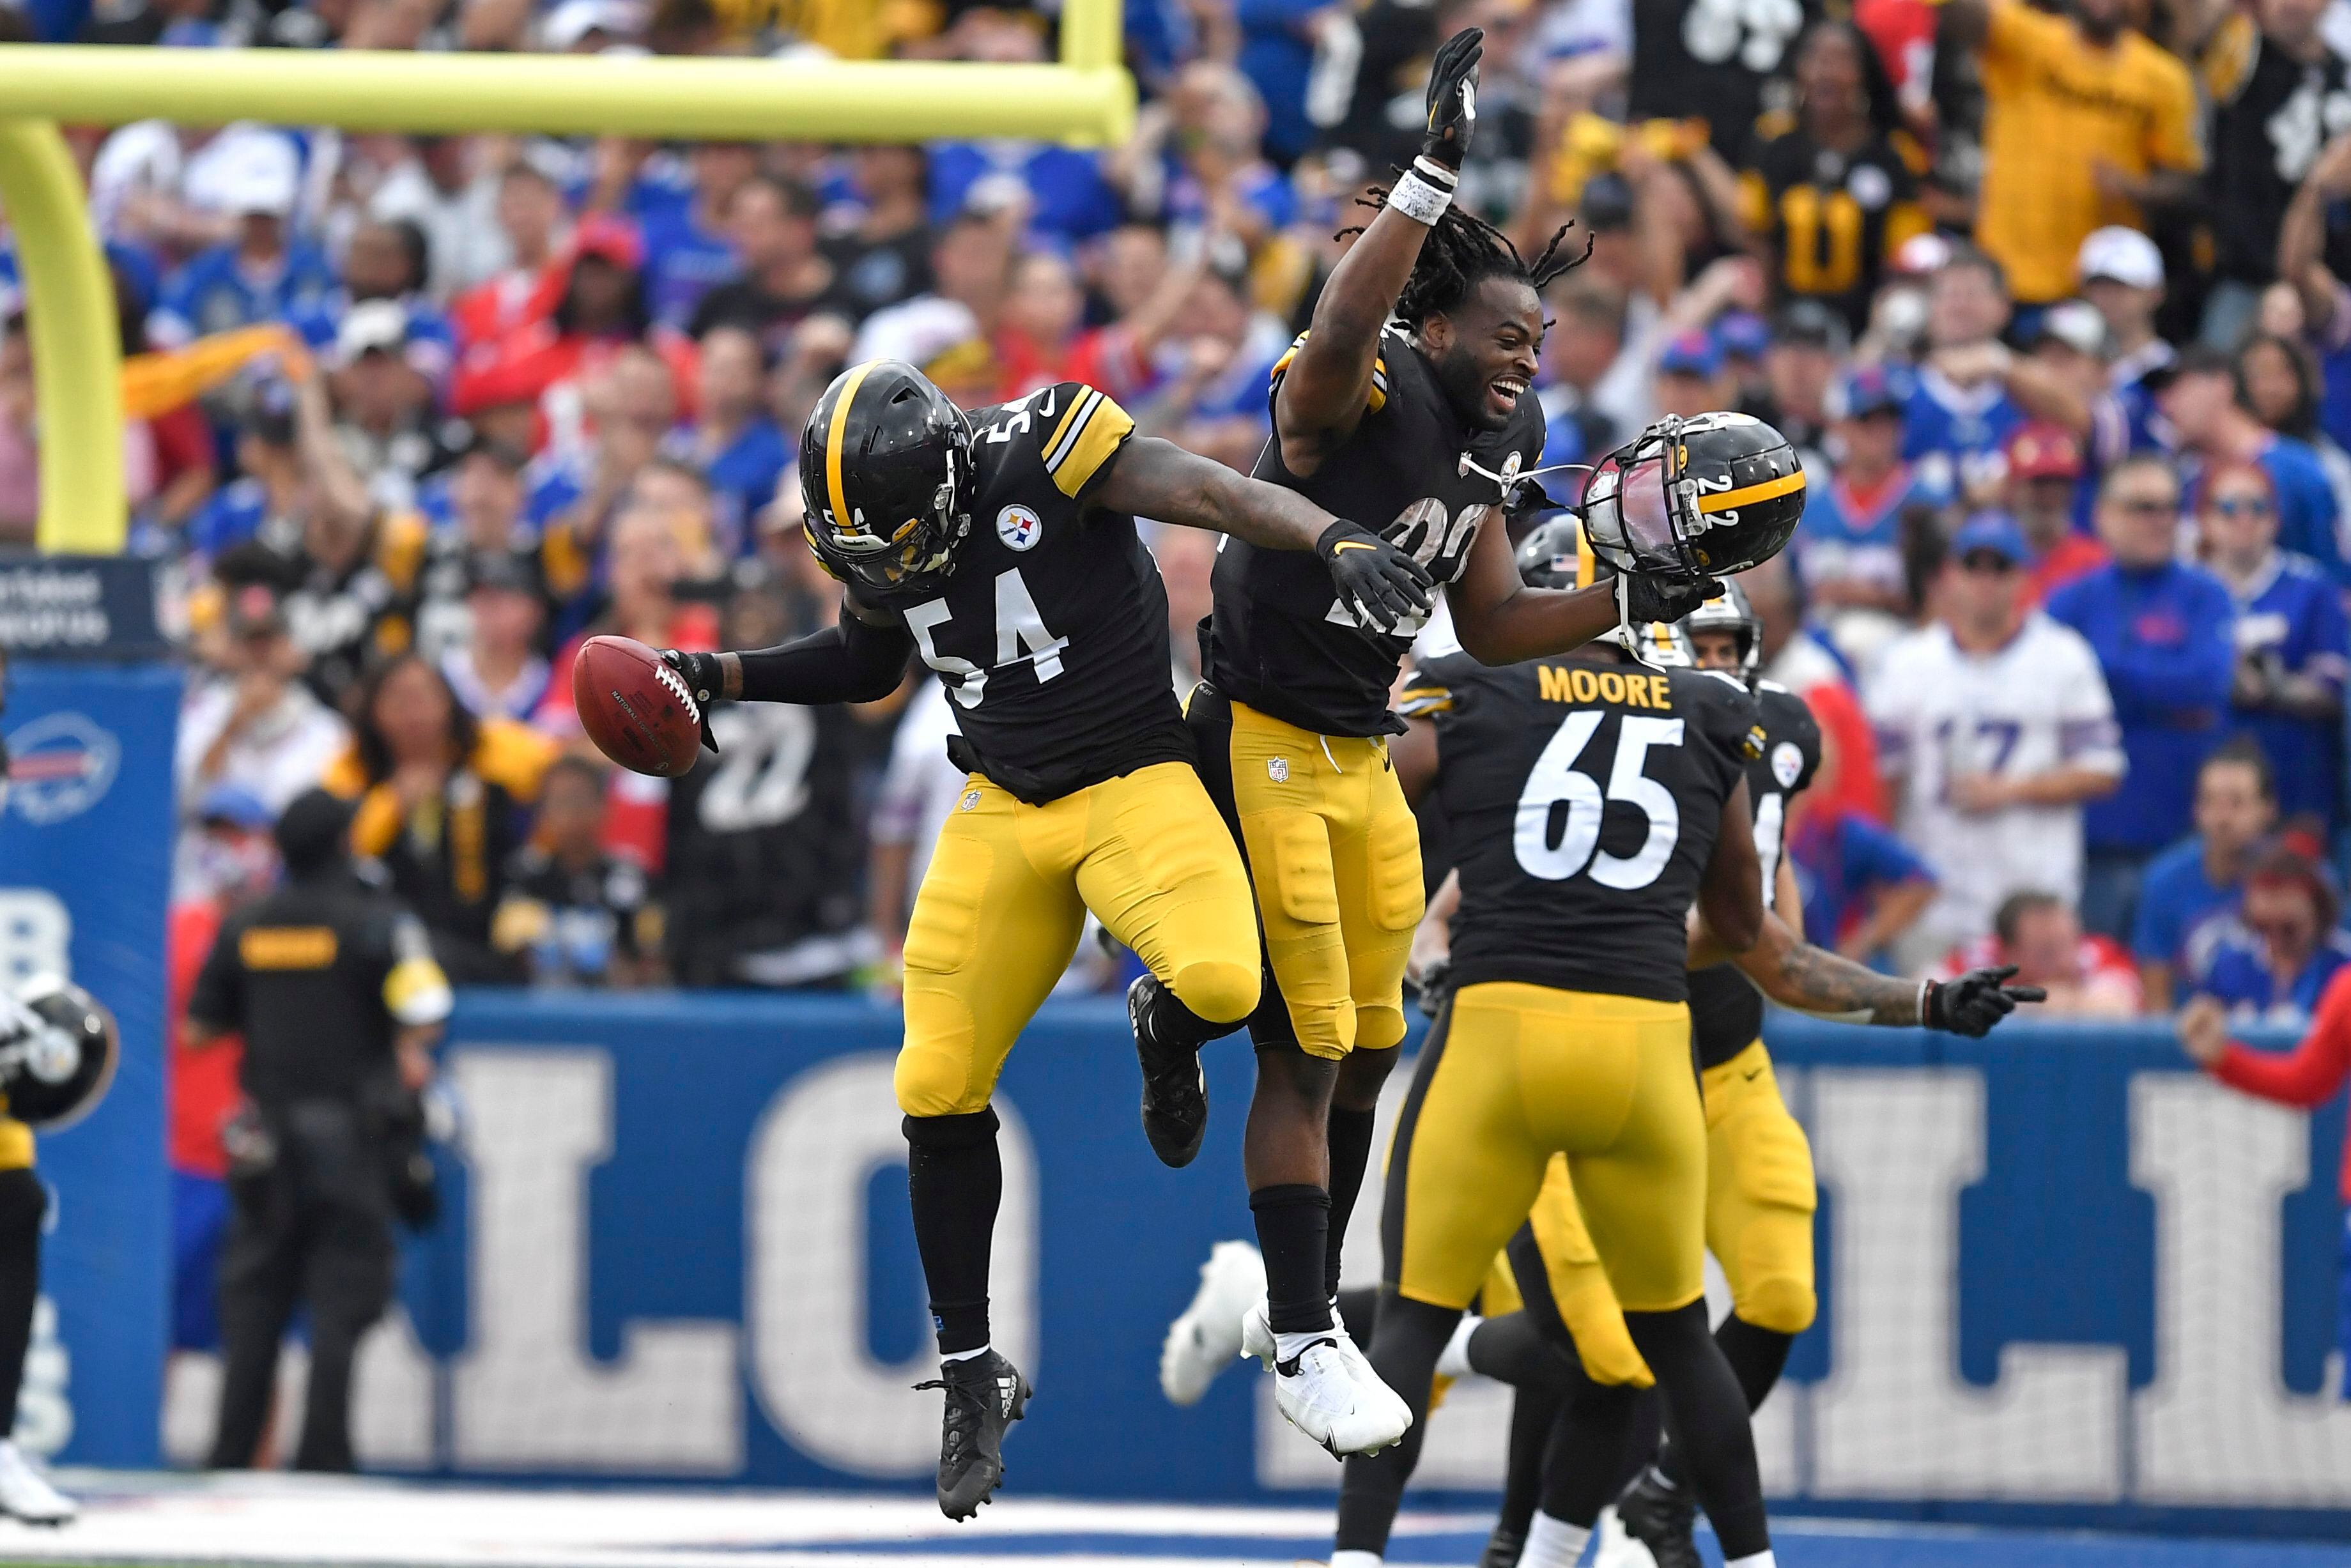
[634, 708]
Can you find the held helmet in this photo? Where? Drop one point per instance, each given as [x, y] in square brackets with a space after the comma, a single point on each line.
[57, 1051]
[887, 475]
[1696, 497]
[1557, 555]
[1729, 611]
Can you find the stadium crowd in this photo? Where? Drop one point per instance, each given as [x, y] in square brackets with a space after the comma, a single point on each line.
[2067, 601]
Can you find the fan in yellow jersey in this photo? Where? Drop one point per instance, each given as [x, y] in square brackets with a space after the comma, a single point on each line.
[1002, 548]
[2086, 123]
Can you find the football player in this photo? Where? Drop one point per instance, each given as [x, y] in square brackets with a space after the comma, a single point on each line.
[1430, 426]
[1002, 548]
[1591, 801]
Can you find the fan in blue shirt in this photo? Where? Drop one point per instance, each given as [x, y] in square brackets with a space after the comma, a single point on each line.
[2209, 424]
[2163, 633]
[1862, 886]
[2273, 969]
[2293, 645]
[1069, 199]
[739, 449]
[2187, 900]
[689, 248]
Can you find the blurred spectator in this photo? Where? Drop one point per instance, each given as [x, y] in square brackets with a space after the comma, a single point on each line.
[2086, 977]
[1689, 380]
[1797, 656]
[2201, 399]
[2303, 243]
[530, 220]
[2044, 471]
[387, 429]
[2281, 380]
[1801, 367]
[2294, 647]
[2165, 636]
[1960, 411]
[765, 843]
[2120, 108]
[1277, 41]
[478, 505]
[574, 916]
[1834, 196]
[732, 439]
[1862, 888]
[498, 671]
[455, 204]
[270, 497]
[1850, 550]
[786, 278]
[388, 263]
[2189, 895]
[884, 253]
[646, 563]
[2273, 966]
[971, 267]
[1043, 338]
[443, 799]
[2273, 102]
[1215, 376]
[265, 273]
[691, 249]
[254, 725]
[920, 785]
[2122, 277]
[1586, 337]
[235, 862]
[1998, 728]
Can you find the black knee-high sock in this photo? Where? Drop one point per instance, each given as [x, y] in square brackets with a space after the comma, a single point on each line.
[1648, 1431]
[1585, 1453]
[1351, 1154]
[23, 1201]
[1293, 1222]
[1757, 1357]
[1706, 1413]
[1533, 1413]
[1404, 1352]
[954, 1180]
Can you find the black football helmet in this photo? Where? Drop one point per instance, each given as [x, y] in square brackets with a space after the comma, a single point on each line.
[887, 475]
[1696, 497]
[1730, 612]
[59, 1047]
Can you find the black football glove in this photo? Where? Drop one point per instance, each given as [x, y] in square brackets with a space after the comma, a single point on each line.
[1379, 582]
[1433, 984]
[705, 677]
[1453, 97]
[1641, 600]
[1974, 1002]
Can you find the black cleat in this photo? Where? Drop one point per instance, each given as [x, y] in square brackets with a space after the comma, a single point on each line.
[986, 1394]
[1175, 1090]
[1503, 1547]
[1663, 1519]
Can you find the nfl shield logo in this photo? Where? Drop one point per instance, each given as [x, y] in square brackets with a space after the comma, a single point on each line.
[970, 800]
[1277, 769]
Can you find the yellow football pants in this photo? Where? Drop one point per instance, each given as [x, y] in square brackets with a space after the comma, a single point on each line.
[1334, 858]
[1570, 1272]
[1759, 1199]
[1004, 900]
[1527, 1072]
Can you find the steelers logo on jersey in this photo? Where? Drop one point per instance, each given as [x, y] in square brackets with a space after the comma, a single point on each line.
[1020, 527]
[1787, 763]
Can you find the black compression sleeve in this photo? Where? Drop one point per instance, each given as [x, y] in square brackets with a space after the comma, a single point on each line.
[850, 663]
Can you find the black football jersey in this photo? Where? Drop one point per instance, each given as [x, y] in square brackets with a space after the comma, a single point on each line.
[1726, 1009]
[1832, 218]
[1278, 639]
[1051, 636]
[2265, 138]
[1711, 60]
[1585, 798]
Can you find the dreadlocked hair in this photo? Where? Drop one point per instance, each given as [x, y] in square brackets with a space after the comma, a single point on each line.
[1463, 251]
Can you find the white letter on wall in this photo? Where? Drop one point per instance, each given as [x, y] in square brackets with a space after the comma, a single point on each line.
[2218, 1425]
[1893, 1418]
[525, 1393]
[805, 1298]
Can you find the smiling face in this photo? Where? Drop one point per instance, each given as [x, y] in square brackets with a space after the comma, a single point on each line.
[1486, 351]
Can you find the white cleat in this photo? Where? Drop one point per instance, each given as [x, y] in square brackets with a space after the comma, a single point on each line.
[25, 1494]
[1205, 1340]
[1319, 1392]
[1613, 1547]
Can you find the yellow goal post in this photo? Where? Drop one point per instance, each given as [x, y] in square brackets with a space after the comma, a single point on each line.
[1085, 98]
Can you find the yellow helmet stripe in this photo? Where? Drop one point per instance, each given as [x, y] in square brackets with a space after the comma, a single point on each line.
[1587, 569]
[840, 516]
[1784, 484]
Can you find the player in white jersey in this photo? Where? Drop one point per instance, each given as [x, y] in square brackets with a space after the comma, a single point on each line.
[1996, 726]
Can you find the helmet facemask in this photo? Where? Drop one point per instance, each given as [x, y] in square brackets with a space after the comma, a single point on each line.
[1641, 508]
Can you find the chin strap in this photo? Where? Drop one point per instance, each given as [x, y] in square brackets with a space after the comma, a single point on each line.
[1510, 482]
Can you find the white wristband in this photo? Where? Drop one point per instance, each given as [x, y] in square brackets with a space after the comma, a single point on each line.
[1418, 199]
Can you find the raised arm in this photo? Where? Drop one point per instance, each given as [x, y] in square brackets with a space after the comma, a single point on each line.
[1156, 478]
[1328, 385]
